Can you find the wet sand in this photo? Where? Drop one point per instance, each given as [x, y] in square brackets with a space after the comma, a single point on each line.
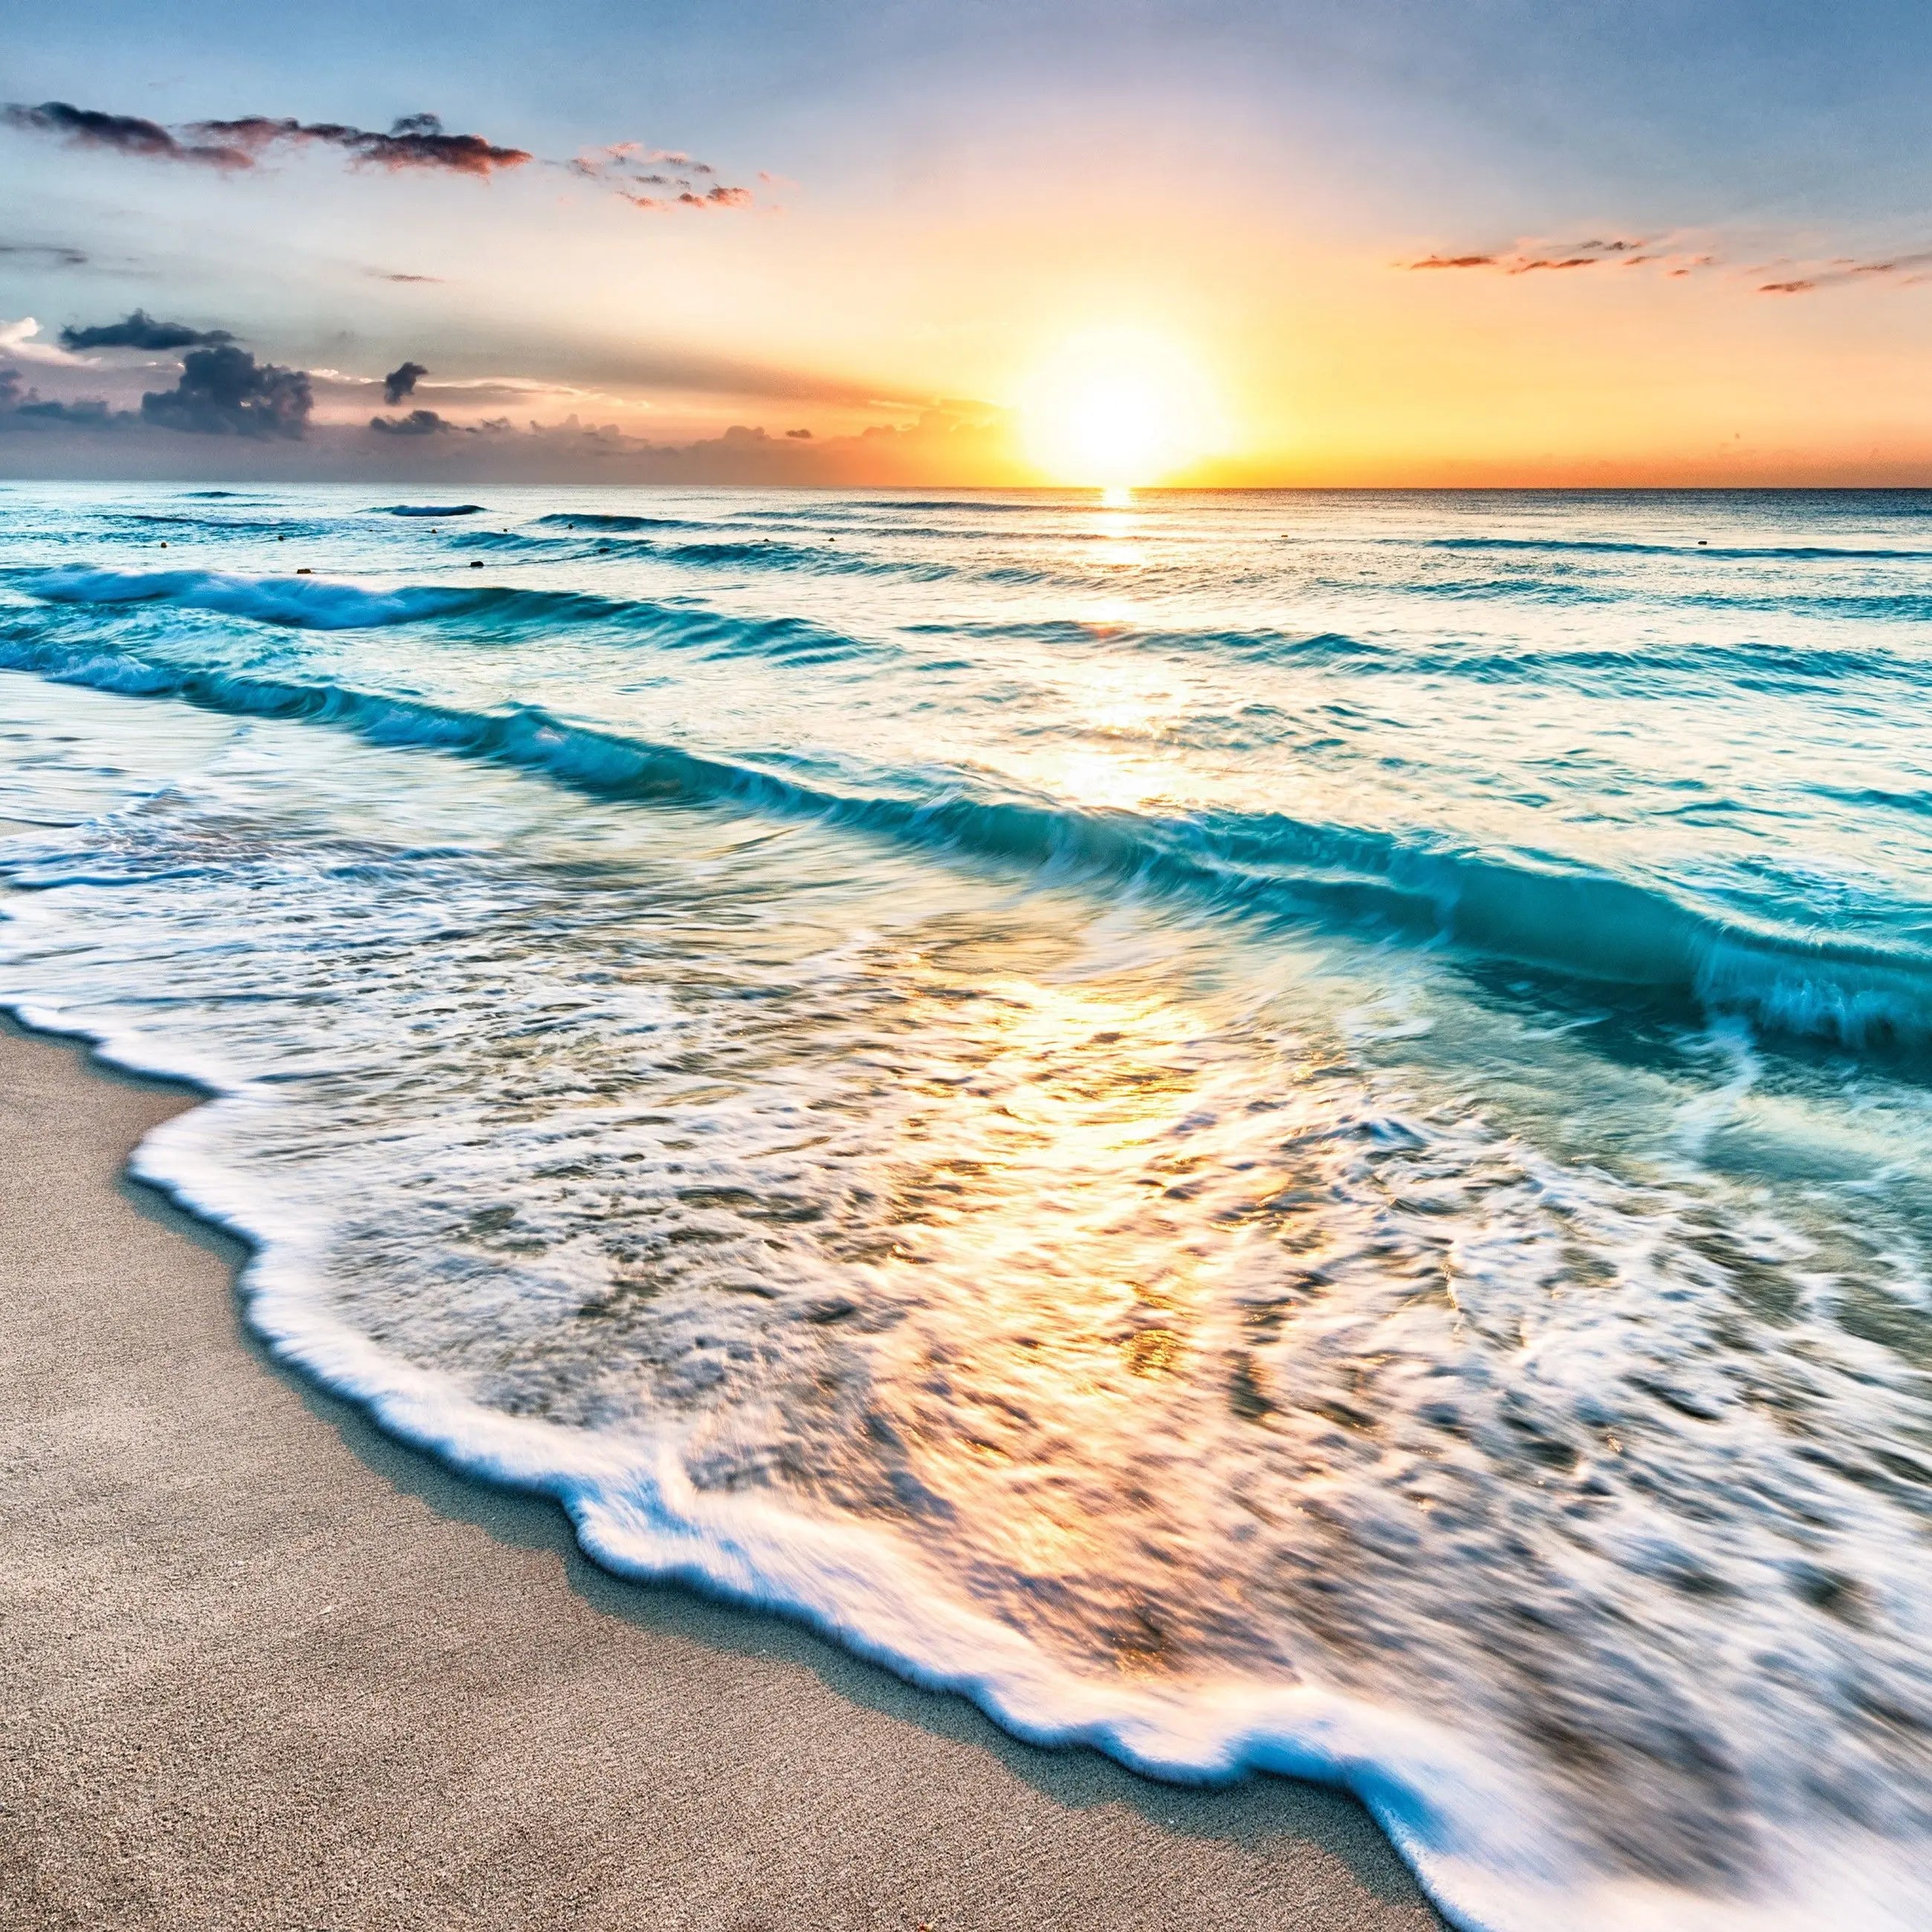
[263, 1667]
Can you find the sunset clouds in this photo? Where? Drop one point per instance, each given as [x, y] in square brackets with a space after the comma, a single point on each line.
[416, 141]
[1529, 258]
[664, 178]
[120, 134]
[1427, 241]
[1906, 270]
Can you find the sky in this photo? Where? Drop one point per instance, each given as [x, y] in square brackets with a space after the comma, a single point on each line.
[1311, 242]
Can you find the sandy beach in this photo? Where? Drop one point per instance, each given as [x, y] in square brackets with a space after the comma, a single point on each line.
[265, 1668]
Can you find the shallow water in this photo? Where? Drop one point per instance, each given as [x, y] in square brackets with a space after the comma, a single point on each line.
[1284, 1131]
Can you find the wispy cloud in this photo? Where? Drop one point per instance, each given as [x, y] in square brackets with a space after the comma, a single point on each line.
[1669, 257]
[141, 331]
[52, 254]
[674, 179]
[1528, 258]
[1903, 270]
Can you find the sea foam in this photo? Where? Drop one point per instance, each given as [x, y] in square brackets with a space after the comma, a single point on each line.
[1245, 1172]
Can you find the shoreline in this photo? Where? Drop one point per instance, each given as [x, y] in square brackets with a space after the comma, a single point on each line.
[268, 1667]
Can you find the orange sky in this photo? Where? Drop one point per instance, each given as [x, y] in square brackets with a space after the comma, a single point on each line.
[1686, 257]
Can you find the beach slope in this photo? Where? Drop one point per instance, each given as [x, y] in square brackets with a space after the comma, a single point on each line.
[264, 1668]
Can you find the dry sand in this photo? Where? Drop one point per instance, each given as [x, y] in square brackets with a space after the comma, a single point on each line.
[260, 1666]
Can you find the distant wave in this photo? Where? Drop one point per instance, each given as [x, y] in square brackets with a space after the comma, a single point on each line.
[1747, 665]
[1769, 553]
[1589, 925]
[432, 510]
[586, 520]
[976, 503]
[1072, 632]
[501, 611]
[256, 526]
[723, 551]
[771, 553]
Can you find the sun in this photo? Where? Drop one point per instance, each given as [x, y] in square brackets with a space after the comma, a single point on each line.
[1115, 409]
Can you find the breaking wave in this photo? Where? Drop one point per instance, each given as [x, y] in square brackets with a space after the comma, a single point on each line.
[1588, 925]
[489, 610]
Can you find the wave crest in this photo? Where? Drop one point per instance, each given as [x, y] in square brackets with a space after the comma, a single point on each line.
[1586, 926]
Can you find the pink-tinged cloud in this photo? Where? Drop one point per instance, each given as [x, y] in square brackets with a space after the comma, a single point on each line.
[626, 166]
[1532, 257]
[415, 141]
[1526, 257]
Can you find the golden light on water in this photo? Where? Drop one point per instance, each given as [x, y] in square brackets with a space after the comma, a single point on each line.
[1112, 409]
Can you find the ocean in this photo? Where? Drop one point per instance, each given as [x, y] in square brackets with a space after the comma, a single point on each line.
[1267, 1131]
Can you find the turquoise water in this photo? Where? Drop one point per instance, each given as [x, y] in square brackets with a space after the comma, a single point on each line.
[1281, 1131]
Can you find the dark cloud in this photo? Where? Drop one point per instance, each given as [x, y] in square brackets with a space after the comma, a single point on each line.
[799, 435]
[141, 331]
[417, 422]
[400, 382]
[224, 391]
[415, 141]
[1554, 262]
[119, 133]
[1454, 262]
[55, 256]
[1798, 288]
[91, 413]
[21, 408]
[389, 275]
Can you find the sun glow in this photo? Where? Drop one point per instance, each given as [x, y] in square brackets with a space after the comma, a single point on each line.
[1116, 409]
